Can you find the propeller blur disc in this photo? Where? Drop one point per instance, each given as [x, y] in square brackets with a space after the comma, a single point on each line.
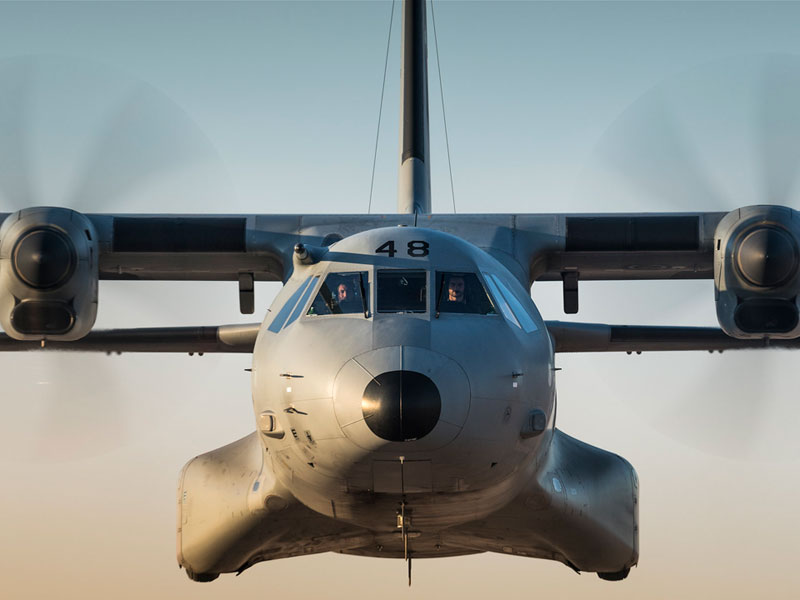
[84, 135]
[716, 137]
[81, 134]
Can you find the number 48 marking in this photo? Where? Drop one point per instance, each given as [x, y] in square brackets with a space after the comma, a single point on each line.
[416, 248]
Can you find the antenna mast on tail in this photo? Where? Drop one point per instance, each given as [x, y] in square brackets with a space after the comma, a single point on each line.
[414, 182]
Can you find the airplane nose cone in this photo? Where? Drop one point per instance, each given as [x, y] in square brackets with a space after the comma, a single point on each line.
[400, 406]
[401, 399]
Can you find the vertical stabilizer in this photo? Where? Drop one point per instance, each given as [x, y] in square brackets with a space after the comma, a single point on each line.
[414, 184]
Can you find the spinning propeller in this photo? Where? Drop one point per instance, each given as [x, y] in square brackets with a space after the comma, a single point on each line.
[82, 135]
[713, 138]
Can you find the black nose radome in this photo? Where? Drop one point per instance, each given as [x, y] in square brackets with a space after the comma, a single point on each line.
[400, 406]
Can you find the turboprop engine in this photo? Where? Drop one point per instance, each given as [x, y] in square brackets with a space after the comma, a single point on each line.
[48, 274]
[757, 272]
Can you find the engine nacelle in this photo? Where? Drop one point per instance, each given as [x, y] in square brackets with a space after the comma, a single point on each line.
[757, 272]
[48, 274]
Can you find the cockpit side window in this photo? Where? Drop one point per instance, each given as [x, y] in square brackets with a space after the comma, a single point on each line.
[501, 303]
[288, 306]
[342, 294]
[509, 303]
[402, 291]
[461, 293]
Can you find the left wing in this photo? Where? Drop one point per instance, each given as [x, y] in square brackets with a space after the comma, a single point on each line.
[596, 337]
[192, 340]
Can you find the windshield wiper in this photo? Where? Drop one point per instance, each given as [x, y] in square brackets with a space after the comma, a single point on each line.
[439, 297]
[363, 295]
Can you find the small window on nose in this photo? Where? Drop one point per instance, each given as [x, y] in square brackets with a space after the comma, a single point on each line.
[401, 291]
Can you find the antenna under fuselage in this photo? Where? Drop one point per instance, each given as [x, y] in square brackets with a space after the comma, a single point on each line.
[414, 181]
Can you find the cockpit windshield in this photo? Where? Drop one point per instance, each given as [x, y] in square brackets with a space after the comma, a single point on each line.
[461, 293]
[342, 294]
[402, 291]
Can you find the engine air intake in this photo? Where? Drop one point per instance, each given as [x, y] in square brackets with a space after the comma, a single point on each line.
[766, 316]
[41, 317]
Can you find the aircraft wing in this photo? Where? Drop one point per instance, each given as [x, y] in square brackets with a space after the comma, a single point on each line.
[199, 340]
[596, 337]
[621, 246]
[533, 246]
[216, 247]
[542, 247]
[752, 253]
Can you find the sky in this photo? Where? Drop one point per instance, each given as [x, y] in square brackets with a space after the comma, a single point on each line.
[273, 108]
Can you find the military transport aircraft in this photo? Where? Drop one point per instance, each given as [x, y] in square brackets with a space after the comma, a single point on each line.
[403, 380]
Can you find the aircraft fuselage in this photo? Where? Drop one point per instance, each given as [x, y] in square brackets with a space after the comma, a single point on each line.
[403, 387]
[409, 401]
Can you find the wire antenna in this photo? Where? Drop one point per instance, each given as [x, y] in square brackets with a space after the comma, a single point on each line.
[441, 95]
[380, 108]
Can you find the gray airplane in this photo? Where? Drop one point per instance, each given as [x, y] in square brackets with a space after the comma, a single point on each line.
[403, 380]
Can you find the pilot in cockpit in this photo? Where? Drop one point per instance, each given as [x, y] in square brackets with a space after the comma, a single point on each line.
[455, 290]
[463, 293]
[341, 294]
[345, 300]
